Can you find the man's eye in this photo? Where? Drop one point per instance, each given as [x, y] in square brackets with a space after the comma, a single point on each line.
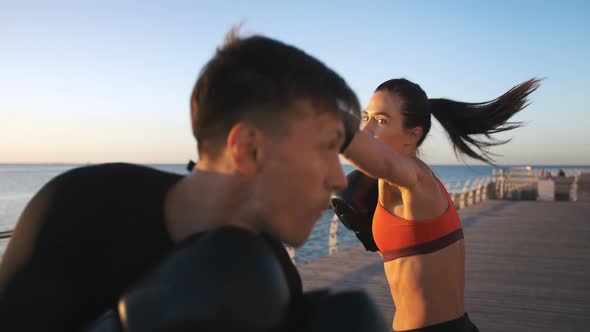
[381, 121]
[365, 118]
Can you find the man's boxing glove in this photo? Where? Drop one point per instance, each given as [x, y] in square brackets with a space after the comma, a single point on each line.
[356, 205]
[227, 279]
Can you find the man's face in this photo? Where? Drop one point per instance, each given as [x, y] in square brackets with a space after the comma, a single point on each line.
[299, 172]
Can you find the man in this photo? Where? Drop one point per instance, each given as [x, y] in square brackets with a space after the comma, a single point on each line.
[269, 121]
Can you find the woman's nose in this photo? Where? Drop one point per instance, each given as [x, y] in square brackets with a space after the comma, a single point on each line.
[368, 126]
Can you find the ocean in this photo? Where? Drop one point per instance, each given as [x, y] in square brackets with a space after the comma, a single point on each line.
[18, 183]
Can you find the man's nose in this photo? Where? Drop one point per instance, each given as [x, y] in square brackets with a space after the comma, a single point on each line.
[337, 179]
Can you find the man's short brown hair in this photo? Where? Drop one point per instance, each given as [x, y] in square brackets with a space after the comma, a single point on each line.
[257, 79]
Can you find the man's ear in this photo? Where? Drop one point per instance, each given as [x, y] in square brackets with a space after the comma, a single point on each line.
[244, 144]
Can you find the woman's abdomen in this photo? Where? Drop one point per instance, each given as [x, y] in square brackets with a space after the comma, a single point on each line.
[428, 289]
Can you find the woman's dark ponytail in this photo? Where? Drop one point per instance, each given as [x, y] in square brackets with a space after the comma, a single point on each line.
[464, 121]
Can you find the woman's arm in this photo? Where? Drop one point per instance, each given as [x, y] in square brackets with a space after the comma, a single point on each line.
[378, 160]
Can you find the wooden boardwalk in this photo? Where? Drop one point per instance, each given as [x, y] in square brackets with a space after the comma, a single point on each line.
[527, 266]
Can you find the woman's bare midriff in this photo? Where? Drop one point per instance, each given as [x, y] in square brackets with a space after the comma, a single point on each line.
[428, 289]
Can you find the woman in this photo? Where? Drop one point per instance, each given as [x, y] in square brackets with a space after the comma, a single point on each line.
[415, 225]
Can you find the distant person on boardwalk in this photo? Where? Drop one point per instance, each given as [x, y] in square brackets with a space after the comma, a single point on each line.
[146, 250]
[415, 225]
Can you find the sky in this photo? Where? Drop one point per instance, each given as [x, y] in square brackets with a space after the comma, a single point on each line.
[101, 81]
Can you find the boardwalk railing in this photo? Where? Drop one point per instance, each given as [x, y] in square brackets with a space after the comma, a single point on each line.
[472, 191]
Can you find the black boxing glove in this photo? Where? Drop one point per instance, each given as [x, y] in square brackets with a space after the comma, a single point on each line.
[356, 205]
[227, 279]
[318, 310]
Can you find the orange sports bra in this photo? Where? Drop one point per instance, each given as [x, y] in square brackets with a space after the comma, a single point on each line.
[398, 237]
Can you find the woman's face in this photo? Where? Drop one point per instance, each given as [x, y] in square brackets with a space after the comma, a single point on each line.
[382, 118]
